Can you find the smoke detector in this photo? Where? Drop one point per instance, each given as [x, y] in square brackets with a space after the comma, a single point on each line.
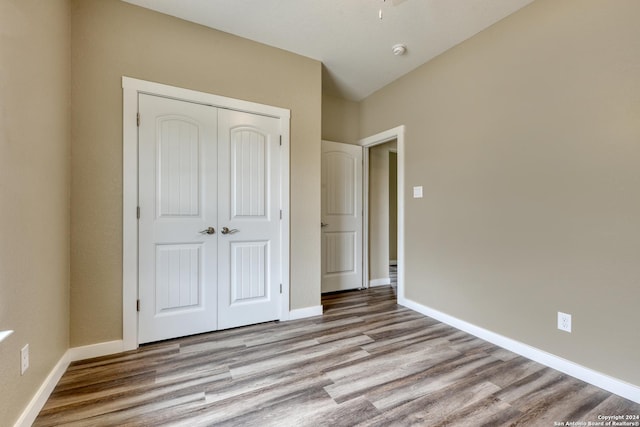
[399, 49]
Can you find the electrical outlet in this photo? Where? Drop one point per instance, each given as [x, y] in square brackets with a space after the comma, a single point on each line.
[24, 359]
[564, 321]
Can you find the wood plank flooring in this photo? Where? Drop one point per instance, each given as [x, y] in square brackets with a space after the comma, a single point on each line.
[365, 362]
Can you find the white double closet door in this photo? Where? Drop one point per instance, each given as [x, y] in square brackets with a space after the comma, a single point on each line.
[209, 226]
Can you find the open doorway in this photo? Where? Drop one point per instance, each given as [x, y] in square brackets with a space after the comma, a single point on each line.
[382, 213]
[396, 137]
[393, 217]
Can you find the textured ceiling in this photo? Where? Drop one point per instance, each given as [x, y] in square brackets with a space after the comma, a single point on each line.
[347, 36]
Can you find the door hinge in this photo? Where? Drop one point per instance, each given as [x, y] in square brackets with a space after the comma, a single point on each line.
[280, 213]
[138, 119]
[138, 212]
[281, 140]
[138, 305]
[280, 287]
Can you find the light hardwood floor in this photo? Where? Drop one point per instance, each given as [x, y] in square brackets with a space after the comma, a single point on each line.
[366, 361]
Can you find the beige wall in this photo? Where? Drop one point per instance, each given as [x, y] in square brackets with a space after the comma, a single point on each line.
[34, 194]
[111, 39]
[526, 139]
[340, 120]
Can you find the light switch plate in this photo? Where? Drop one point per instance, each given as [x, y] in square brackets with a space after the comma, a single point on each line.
[417, 192]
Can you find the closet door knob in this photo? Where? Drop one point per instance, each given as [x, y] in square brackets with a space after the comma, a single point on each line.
[225, 230]
[209, 230]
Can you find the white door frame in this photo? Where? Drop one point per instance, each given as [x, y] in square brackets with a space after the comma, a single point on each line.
[396, 133]
[131, 88]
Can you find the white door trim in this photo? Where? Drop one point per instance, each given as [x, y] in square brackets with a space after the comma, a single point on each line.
[396, 133]
[131, 88]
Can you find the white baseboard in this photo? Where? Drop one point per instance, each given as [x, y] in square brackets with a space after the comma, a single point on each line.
[36, 404]
[606, 382]
[302, 313]
[95, 350]
[379, 282]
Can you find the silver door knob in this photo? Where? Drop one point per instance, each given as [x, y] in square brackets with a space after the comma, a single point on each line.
[323, 224]
[225, 230]
[209, 230]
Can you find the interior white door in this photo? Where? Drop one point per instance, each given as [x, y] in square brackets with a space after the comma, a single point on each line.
[249, 218]
[341, 216]
[178, 203]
